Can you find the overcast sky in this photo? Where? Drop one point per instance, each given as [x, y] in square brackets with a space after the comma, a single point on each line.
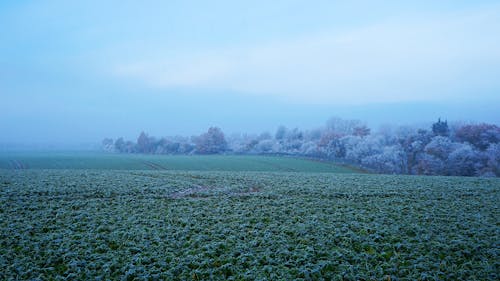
[78, 72]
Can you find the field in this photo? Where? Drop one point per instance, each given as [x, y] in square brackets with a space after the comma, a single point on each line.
[103, 161]
[282, 224]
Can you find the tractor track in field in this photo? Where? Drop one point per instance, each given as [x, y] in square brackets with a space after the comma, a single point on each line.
[17, 165]
[154, 166]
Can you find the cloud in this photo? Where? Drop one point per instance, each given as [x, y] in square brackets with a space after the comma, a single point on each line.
[401, 60]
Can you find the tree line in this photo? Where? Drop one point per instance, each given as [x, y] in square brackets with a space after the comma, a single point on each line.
[442, 149]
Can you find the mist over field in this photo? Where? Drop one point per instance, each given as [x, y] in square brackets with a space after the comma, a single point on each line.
[74, 73]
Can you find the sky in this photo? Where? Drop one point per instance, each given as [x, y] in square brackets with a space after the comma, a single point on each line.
[74, 72]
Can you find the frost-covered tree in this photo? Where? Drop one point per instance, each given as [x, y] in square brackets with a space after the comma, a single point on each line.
[266, 146]
[108, 145]
[480, 135]
[294, 134]
[331, 146]
[440, 128]
[358, 148]
[464, 161]
[440, 147]
[145, 144]
[413, 143]
[167, 146]
[289, 141]
[412, 151]
[361, 131]
[309, 148]
[211, 142]
[120, 145]
[492, 155]
[428, 164]
[391, 159]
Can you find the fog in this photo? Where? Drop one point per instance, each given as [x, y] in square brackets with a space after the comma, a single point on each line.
[72, 74]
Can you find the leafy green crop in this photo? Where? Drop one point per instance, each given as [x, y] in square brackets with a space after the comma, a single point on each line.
[177, 225]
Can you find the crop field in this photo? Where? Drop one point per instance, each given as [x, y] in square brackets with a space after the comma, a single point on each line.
[81, 224]
[109, 161]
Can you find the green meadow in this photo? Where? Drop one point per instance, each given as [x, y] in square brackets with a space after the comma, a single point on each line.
[109, 161]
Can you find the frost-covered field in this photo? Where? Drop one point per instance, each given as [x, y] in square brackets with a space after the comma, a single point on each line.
[111, 161]
[174, 225]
